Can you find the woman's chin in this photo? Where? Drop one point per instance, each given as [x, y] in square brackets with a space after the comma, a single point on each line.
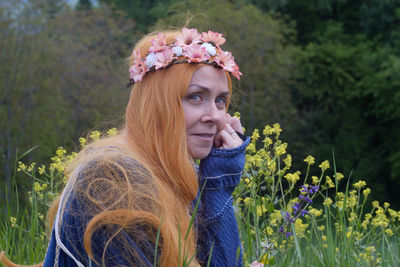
[199, 153]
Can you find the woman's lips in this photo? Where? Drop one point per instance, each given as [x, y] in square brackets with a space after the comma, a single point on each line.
[204, 136]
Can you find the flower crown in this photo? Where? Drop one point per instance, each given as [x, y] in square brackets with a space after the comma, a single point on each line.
[190, 47]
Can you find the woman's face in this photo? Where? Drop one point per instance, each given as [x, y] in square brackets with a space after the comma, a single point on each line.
[204, 105]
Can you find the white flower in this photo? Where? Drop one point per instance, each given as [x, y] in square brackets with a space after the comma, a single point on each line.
[150, 60]
[210, 49]
[177, 50]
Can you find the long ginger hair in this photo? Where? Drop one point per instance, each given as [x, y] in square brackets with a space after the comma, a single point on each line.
[149, 181]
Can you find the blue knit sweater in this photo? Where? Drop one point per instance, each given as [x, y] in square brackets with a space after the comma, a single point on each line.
[217, 229]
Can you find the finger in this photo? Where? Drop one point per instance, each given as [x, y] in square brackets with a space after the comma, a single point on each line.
[235, 123]
[218, 140]
[229, 129]
[230, 139]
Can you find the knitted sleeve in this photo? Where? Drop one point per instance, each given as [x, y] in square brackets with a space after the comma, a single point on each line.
[219, 175]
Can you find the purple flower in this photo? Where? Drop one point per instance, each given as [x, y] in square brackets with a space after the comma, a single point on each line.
[303, 212]
[305, 198]
[281, 230]
[314, 189]
[304, 189]
[288, 219]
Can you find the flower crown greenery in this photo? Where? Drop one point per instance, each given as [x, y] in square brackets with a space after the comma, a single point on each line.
[190, 47]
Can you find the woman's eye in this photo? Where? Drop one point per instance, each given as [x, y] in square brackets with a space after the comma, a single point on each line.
[221, 101]
[195, 98]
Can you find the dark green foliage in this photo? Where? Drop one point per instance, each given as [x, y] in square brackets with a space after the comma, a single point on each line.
[61, 73]
[84, 5]
[144, 12]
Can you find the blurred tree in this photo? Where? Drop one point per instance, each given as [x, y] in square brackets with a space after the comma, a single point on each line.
[61, 73]
[84, 5]
[144, 12]
[349, 94]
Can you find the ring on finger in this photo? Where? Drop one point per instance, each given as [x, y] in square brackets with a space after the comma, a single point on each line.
[231, 131]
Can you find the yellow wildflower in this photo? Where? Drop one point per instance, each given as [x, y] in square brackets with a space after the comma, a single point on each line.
[260, 211]
[31, 167]
[251, 148]
[329, 182]
[272, 166]
[82, 141]
[315, 212]
[293, 177]
[339, 176]
[324, 165]
[41, 169]
[375, 204]
[323, 238]
[310, 160]
[247, 201]
[315, 180]
[389, 232]
[36, 187]
[277, 129]
[237, 115]
[300, 228]
[321, 228]
[352, 217]
[60, 151]
[280, 149]
[275, 217]
[267, 142]
[327, 201]
[288, 161]
[352, 201]
[340, 195]
[247, 180]
[360, 184]
[21, 166]
[268, 130]
[255, 135]
[366, 192]
[340, 204]
[393, 213]
[370, 249]
[386, 205]
[269, 231]
[380, 218]
[112, 132]
[325, 245]
[95, 135]
[13, 221]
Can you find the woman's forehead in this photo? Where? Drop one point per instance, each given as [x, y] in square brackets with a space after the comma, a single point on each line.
[210, 77]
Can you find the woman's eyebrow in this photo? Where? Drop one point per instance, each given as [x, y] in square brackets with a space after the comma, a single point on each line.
[205, 88]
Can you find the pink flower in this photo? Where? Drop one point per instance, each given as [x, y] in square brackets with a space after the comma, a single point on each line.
[159, 43]
[137, 72]
[226, 61]
[196, 53]
[164, 58]
[237, 73]
[213, 38]
[137, 58]
[188, 37]
[256, 264]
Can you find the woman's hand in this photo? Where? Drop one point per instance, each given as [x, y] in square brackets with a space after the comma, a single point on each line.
[227, 137]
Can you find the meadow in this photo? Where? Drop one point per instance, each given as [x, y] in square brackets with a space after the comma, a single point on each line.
[286, 217]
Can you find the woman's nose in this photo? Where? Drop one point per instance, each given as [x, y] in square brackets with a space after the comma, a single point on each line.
[212, 114]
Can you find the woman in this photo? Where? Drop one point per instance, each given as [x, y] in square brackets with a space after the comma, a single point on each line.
[138, 199]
